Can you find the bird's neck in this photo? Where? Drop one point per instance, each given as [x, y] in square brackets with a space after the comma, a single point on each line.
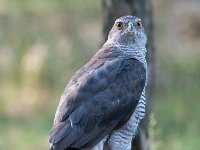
[133, 50]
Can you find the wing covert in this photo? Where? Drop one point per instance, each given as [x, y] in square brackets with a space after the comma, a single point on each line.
[100, 97]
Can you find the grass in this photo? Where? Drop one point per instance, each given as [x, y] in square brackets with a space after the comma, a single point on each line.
[23, 134]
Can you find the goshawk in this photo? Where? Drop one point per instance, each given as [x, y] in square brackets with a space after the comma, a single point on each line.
[105, 100]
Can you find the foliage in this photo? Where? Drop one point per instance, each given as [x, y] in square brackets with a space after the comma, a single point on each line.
[44, 42]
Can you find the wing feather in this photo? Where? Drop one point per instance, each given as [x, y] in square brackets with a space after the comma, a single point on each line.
[99, 98]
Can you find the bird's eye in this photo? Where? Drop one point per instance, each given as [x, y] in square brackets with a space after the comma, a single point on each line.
[119, 25]
[139, 24]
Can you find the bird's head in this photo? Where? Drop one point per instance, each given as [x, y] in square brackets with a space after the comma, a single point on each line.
[128, 31]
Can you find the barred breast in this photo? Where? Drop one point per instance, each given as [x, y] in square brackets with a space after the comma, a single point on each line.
[122, 138]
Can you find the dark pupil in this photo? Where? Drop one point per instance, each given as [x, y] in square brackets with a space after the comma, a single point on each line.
[119, 25]
[138, 24]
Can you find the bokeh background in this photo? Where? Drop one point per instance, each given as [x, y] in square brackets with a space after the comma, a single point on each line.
[43, 42]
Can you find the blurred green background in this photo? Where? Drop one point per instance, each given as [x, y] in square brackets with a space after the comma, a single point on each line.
[43, 42]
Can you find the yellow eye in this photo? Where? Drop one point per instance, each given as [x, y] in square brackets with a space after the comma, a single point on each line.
[119, 25]
[139, 24]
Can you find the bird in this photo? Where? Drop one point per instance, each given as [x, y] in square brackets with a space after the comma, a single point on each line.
[105, 100]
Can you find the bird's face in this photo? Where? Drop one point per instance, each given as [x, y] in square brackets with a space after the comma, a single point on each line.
[128, 30]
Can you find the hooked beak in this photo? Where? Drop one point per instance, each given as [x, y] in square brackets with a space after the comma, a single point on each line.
[131, 28]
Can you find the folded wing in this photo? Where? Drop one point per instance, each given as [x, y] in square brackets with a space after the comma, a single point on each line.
[99, 99]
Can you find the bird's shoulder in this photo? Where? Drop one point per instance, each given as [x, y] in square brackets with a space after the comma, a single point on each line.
[105, 53]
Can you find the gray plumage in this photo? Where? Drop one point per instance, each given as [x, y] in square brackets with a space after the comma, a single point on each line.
[105, 99]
